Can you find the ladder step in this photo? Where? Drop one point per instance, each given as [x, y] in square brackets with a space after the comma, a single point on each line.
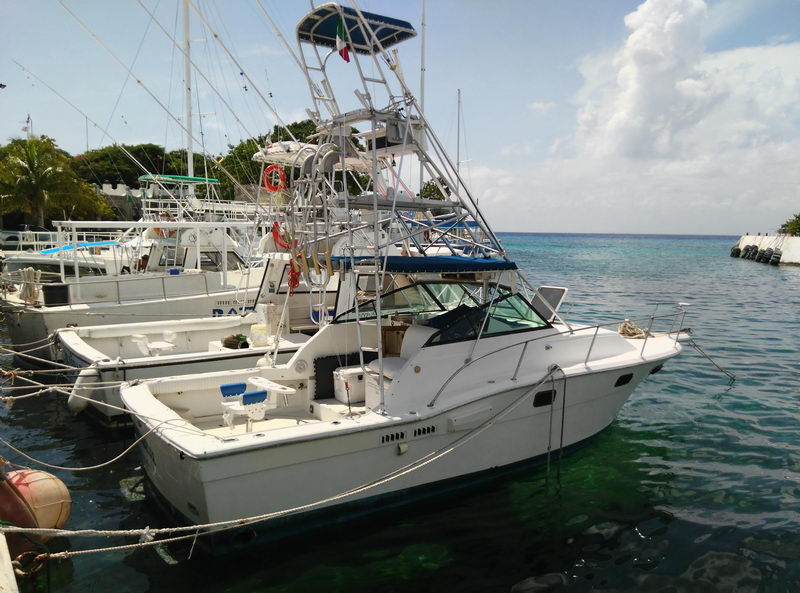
[369, 349]
[380, 80]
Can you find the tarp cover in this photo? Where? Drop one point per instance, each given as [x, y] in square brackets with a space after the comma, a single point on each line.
[319, 27]
[70, 247]
[441, 264]
[177, 179]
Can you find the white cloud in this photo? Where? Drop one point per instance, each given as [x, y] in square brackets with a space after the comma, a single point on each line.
[670, 138]
[518, 148]
[541, 106]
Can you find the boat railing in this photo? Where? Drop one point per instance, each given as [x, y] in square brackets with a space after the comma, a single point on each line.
[675, 318]
[35, 241]
[150, 287]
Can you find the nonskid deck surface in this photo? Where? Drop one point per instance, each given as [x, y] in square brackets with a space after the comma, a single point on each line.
[275, 419]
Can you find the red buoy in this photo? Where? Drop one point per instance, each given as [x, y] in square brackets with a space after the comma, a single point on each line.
[45, 494]
[15, 510]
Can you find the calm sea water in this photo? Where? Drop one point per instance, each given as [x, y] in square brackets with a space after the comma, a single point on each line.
[695, 487]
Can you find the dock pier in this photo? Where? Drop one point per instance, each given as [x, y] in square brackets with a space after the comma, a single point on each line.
[787, 244]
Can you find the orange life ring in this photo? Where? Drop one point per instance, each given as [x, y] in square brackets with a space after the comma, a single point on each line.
[273, 187]
[166, 233]
[278, 237]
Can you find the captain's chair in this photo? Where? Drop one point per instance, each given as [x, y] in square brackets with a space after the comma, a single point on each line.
[413, 339]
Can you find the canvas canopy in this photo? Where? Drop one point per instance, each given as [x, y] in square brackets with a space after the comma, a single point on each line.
[319, 27]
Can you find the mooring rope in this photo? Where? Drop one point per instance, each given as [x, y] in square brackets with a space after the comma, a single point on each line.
[694, 344]
[148, 536]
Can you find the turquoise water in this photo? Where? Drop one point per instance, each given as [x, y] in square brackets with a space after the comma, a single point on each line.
[695, 487]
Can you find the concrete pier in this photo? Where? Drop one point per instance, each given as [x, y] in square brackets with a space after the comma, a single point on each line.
[8, 582]
[790, 246]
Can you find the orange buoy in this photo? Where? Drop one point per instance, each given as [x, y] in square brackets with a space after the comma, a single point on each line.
[15, 510]
[45, 494]
[268, 179]
[165, 233]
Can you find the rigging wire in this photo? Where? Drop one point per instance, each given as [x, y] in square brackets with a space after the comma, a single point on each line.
[147, 89]
[125, 82]
[242, 70]
[171, 84]
[95, 124]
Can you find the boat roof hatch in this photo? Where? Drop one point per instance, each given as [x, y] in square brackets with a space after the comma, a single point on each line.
[319, 28]
[442, 264]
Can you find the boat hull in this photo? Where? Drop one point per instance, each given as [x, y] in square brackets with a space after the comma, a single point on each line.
[107, 406]
[277, 479]
[30, 327]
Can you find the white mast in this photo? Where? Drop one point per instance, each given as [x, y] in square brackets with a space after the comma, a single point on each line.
[423, 26]
[187, 75]
[458, 133]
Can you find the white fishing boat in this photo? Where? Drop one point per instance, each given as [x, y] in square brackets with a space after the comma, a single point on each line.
[188, 269]
[445, 369]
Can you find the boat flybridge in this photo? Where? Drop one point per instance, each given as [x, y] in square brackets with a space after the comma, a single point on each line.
[182, 269]
[443, 367]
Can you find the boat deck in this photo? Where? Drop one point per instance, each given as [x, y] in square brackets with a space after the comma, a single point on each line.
[325, 410]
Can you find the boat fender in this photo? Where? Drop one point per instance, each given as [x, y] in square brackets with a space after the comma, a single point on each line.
[16, 510]
[46, 495]
[78, 397]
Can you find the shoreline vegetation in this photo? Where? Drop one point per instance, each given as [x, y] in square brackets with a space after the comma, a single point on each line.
[41, 182]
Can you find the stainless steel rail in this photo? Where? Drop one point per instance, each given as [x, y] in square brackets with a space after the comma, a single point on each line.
[651, 319]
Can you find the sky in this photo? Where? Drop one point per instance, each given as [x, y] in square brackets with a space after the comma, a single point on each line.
[662, 116]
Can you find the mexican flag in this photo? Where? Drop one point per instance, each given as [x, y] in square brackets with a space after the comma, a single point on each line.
[341, 43]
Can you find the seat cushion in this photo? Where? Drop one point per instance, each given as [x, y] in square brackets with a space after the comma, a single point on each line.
[392, 365]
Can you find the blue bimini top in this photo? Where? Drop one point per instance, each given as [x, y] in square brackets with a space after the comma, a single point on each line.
[319, 27]
[435, 264]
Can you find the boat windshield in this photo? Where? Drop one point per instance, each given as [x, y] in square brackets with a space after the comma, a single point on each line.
[458, 310]
[504, 315]
[420, 301]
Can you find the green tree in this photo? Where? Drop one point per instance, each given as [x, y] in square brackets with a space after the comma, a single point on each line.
[430, 190]
[111, 164]
[36, 178]
[791, 226]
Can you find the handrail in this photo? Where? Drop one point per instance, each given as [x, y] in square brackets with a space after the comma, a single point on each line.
[525, 343]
